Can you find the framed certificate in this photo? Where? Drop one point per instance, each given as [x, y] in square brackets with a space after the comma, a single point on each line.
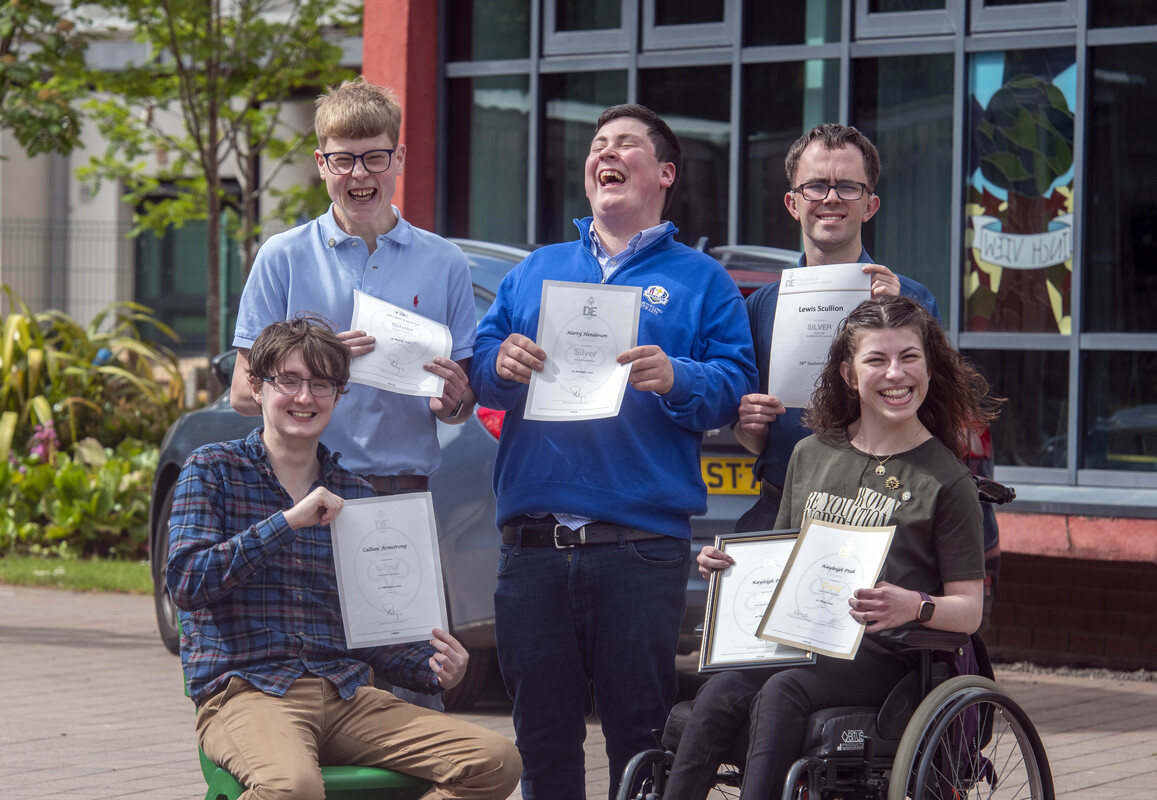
[389, 574]
[809, 607]
[736, 599]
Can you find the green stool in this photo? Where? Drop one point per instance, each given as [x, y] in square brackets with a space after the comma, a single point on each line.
[341, 783]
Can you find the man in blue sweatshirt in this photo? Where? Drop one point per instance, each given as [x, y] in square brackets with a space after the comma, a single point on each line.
[595, 515]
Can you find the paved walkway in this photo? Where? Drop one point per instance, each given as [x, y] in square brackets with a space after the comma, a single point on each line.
[91, 708]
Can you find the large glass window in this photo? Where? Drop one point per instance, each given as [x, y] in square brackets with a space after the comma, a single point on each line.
[482, 30]
[488, 138]
[587, 15]
[573, 102]
[1120, 411]
[688, 12]
[783, 101]
[696, 103]
[1120, 285]
[1114, 13]
[904, 105]
[1018, 209]
[1032, 428]
[884, 6]
[809, 22]
[170, 279]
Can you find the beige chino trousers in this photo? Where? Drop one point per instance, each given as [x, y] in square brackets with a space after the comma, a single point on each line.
[277, 745]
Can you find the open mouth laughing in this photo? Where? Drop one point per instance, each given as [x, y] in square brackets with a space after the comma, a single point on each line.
[610, 176]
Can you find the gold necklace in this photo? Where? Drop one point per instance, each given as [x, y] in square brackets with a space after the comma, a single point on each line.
[881, 470]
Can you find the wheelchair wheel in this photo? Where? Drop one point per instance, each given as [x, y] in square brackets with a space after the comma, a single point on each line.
[968, 738]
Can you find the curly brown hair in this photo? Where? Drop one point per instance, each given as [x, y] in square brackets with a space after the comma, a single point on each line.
[958, 395]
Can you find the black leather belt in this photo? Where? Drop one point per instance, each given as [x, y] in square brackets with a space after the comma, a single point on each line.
[393, 484]
[541, 534]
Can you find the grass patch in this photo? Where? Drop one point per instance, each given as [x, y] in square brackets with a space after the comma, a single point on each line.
[80, 575]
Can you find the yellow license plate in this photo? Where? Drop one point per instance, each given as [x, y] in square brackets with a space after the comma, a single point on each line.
[728, 475]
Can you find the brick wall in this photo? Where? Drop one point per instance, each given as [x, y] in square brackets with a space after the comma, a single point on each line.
[1075, 612]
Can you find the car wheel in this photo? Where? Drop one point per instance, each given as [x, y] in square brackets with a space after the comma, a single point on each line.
[466, 693]
[166, 611]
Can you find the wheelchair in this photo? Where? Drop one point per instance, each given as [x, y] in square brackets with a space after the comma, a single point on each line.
[935, 738]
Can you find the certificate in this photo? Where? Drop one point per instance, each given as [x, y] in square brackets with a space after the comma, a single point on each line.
[809, 608]
[405, 341]
[389, 575]
[736, 599]
[583, 327]
[811, 303]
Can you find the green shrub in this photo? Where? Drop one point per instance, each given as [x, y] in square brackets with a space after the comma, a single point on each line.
[95, 381]
[92, 501]
[81, 415]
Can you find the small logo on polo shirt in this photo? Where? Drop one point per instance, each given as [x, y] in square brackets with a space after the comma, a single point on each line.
[415, 301]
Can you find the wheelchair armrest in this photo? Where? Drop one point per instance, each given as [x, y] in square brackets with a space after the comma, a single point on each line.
[914, 637]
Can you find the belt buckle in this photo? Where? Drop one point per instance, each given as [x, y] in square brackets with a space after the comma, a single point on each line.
[582, 532]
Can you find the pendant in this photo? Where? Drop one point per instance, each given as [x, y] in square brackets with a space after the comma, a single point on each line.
[892, 483]
[880, 469]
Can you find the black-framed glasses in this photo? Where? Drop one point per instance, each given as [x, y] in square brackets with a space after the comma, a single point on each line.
[373, 160]
[845, 190]
[291, 384]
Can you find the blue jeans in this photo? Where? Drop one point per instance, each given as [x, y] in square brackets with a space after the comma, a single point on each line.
[604, 616]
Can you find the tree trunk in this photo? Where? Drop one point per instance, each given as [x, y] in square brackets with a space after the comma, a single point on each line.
[1022, 304]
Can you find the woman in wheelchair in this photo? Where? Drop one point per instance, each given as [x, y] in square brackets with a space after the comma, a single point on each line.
[890, 414]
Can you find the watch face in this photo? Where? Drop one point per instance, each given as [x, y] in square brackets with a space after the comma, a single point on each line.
[926, 609]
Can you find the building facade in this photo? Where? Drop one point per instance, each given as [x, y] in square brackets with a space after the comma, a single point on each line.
[1017, 153]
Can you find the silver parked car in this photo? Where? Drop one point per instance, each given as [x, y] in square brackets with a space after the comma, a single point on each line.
[463, 497]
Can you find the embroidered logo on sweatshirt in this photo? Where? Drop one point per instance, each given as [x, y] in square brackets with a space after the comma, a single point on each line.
[656, 295]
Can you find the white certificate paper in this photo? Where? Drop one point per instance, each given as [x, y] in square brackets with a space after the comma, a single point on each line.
[389, 573]
[809, 608]
[404, 342]
[583, 327]
[737, 598]
[811, 303]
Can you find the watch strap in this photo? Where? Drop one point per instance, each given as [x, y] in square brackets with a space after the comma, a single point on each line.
[924, 598]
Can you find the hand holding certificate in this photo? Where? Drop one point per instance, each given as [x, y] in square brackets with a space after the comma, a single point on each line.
[583, 327]
[389, 573]
[811, 303]
[810, 606]
[404, 343]
[736, 600]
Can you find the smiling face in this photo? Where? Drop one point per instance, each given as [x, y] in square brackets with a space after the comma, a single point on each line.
[831, 227]
[299, 419]
[890, 373]
[362, 198]
[625, 183]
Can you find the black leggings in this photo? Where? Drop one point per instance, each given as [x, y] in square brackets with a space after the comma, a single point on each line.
[780, 709]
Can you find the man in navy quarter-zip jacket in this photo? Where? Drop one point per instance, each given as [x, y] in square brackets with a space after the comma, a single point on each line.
[595, 514]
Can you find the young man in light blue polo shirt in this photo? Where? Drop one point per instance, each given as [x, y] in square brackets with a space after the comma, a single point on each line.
[362, 243]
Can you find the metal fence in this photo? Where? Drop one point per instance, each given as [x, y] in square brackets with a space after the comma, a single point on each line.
[76, 267]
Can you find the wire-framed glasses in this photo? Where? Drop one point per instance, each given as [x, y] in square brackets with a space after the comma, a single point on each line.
[291, 384]
[373, 160]
[818, 190]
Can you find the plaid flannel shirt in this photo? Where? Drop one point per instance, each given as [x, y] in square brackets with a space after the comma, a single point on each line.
[257, 599]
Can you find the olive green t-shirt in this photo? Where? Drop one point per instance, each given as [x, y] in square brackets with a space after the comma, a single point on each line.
[932, 501]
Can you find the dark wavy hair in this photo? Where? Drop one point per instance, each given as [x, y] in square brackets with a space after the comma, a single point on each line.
[958, 395]
[326, 355]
